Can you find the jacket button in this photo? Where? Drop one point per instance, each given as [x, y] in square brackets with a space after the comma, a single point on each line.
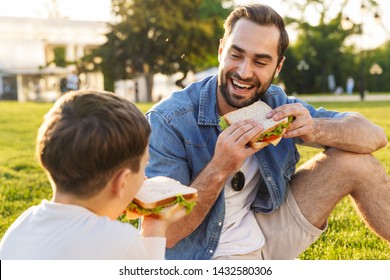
[211, 251]
[269, 178]
[220, 224]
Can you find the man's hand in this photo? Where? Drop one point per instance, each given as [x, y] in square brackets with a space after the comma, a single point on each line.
[303, 125]
[231, 149]
[352, 133]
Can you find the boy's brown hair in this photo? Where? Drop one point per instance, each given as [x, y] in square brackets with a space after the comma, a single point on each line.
[262, 15]
[87, 136]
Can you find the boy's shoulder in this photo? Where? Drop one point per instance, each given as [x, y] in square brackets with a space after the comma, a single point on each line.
[44, 230]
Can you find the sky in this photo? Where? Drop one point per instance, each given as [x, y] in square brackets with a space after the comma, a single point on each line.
[74, 9]
[99, 10]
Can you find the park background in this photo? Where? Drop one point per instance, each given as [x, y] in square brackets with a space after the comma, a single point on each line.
[331, 41]
[146, 49]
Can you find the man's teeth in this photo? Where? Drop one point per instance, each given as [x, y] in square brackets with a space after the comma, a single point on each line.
[241, 85]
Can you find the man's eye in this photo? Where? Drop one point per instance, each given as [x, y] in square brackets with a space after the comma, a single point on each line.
[260, 63]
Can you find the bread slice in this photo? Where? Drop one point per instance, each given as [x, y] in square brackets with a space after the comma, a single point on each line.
[162, 190]
[257, 111]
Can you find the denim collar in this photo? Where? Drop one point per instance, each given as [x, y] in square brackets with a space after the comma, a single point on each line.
[208, 111]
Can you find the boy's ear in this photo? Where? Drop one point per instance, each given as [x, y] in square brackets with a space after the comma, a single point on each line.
[119, 182]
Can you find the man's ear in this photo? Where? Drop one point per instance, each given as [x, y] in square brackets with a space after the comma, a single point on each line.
[279, 67]
[220, 50]
[119, 182]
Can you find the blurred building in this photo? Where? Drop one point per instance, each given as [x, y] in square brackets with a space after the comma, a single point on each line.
[30, 47]
[135, 90]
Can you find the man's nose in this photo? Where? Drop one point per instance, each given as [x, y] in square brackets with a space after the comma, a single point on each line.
[245, 69]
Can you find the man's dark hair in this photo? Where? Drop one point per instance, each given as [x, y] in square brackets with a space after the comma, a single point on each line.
[262, 15]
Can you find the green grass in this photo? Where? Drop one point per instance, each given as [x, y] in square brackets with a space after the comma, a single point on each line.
[347, 237]
[23, 183]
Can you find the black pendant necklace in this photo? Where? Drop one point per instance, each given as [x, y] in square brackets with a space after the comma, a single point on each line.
[238, 181]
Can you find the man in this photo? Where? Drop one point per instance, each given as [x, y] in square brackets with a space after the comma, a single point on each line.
[280, 211]
[72, 80]
[350, 85]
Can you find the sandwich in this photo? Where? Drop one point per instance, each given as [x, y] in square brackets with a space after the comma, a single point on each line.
[160, 197]
[273, 130]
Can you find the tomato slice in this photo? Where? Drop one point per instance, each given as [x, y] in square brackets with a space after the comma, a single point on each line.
[270, 138]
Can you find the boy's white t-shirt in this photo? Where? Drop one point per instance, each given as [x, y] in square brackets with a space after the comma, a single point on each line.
[53, 230]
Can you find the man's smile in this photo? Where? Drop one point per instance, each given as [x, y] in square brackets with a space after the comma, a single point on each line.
[241, 88]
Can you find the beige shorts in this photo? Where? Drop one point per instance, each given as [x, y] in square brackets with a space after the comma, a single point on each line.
[287, 233]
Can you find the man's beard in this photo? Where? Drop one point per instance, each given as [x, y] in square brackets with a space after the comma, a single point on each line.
[237, 101]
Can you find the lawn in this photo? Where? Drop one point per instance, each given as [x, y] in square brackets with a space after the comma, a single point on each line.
[23, 183]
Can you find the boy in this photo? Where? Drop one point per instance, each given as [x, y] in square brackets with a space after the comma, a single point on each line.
[93, 147]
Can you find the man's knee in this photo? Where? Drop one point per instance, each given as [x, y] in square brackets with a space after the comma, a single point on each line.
[353, 164]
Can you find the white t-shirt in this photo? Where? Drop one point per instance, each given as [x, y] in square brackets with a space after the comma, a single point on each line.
[240, 232]
[53, 230]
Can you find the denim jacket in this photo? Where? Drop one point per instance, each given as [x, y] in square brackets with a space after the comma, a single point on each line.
[184, 134]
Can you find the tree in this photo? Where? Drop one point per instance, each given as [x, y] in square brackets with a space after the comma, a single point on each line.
[378, 80]
[321, 44]
[161, 36]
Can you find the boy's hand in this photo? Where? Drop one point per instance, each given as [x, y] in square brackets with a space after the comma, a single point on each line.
[158, 226]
